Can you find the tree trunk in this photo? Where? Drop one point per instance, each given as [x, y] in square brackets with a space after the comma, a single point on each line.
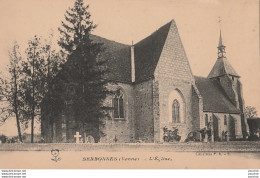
[33, 104]
[16, 107]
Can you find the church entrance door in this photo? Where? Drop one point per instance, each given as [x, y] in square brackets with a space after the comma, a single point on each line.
[232, 128]
[215, 128]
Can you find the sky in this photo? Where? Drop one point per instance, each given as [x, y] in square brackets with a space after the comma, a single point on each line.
[132, 20]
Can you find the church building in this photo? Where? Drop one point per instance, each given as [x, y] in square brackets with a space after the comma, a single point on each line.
[156, 89]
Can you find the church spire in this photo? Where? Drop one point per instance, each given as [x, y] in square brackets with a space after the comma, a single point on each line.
[221, 47]
[222, 66]
[220, 39]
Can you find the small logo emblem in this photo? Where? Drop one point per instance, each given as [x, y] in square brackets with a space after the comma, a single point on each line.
[55, 154]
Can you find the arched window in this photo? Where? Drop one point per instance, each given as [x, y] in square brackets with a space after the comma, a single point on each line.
[176, 107]
[225, 120]
[206, 119]
[119, 104]
[176, 111]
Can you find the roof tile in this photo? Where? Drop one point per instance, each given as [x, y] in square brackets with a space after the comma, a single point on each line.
[214, 97]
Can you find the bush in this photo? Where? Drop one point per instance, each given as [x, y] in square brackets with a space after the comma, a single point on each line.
[3, 138]
[170, 135]
[193, 136]
[253, 138]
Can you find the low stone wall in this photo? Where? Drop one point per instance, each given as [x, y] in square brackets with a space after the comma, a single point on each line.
[238, 146]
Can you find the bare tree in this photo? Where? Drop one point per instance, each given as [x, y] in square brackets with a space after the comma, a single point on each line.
[10, 91]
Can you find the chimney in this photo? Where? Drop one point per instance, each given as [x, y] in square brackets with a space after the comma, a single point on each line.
[132, 63]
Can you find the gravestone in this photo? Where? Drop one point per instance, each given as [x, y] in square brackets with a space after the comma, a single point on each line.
[90, 139]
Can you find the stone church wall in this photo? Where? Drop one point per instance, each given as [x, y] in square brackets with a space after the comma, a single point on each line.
[173, 73]
[232, 127]
[197, 109]
[166, 86]
[238, 129]
[221, 126]
[245, 128]
[144, 111]
[156, 111]
[123, 129]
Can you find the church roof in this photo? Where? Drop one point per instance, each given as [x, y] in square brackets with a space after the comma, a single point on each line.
[119, 59]
[148, 51]
[222, 67]
[146, 54]
[214, 97]
[110, 45]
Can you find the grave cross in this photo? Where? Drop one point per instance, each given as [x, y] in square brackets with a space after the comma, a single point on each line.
[77, 136]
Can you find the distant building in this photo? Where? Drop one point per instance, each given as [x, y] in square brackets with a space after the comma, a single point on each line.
[155, 88]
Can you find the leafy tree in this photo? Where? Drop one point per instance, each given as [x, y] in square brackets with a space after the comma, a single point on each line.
[77, 26]
[39, 69]
[84, 70]
[250, 112]
[32, 81]
[10, 90]
[52, 63]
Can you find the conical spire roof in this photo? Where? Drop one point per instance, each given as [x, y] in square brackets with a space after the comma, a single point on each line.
[220, 40]
[222, 66]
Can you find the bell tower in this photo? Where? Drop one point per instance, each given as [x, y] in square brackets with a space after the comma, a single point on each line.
[228, 79]
[226, 75]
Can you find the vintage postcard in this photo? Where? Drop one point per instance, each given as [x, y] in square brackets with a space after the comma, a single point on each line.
[129, 84]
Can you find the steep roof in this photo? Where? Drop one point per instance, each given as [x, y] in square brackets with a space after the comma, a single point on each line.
[110, 45]
[222, 67]
[119, 59]
[147, 53]
[214, 97]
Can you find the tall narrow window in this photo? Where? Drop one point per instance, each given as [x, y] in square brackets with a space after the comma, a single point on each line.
[119, 104]
[206, 119]
[121, 107]
[116, 113]
[225, 120]
[175, 111]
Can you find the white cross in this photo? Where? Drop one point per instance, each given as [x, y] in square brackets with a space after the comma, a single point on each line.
[219, 21]
[77, 136]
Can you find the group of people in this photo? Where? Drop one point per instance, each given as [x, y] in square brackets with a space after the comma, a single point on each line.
[206, 133]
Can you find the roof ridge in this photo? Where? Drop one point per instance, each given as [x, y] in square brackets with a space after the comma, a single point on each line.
[148, 51]
[154, 32]
[109, 40]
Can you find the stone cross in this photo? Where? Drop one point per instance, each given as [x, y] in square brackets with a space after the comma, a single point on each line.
[77, 136]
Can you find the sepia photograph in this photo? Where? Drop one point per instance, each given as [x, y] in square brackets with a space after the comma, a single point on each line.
[129, 84]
